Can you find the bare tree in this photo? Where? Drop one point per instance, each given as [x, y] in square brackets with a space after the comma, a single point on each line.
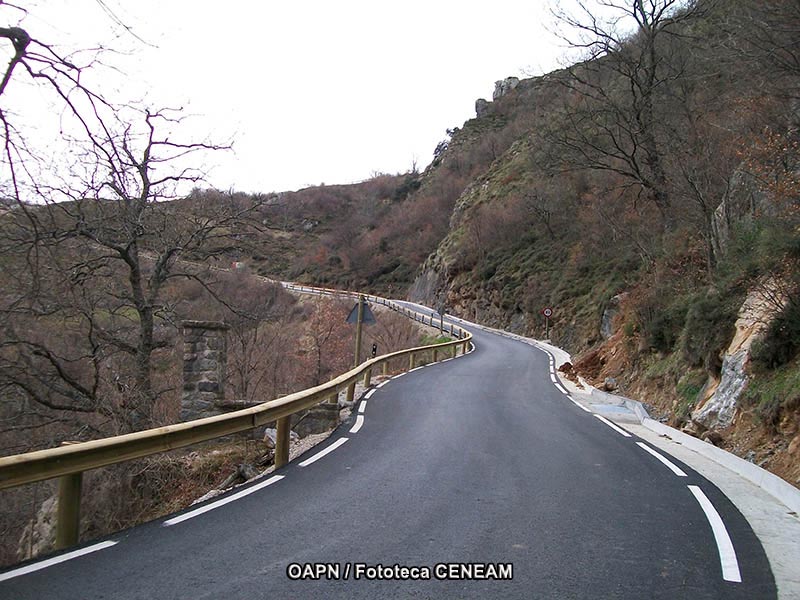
[91, 241]
[630, 59]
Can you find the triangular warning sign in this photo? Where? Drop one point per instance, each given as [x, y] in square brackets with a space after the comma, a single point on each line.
[366, 317]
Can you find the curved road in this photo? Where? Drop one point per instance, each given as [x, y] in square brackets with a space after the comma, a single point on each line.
[481, 461]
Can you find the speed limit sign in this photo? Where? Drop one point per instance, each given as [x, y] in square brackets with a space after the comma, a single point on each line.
[547, 312]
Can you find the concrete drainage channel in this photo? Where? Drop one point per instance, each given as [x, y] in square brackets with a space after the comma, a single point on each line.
[770, 504]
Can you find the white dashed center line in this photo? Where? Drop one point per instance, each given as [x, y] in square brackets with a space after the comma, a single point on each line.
[359, 423]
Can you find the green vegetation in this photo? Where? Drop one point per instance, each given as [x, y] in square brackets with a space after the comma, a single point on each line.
[774, 393]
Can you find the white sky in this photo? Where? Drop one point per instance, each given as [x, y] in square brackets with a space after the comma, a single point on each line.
[310, 91]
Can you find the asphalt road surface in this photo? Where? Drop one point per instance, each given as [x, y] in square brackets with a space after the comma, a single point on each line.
[472, 478]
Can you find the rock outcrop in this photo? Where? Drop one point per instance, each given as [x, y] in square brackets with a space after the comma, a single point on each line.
[504, 86]
[482, 107]
[607, 325]
[718, 404]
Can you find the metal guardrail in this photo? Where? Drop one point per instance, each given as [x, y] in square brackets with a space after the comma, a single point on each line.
[70, 461]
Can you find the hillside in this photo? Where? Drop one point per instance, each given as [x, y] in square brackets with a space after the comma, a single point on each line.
[651, 202]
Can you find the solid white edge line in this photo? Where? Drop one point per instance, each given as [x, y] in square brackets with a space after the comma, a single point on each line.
[362, 406]
[579, 405]
[381, 384]
[325, 452]
[369, 393]
[667, 462]
[614, 427]
[561, 389]
[37, 566]
[727, 555]
[553, 378]
[417, 369]
[398, 376]
[221, 502]
[359, 423]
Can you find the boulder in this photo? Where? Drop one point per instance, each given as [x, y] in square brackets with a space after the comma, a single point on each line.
[610, 384]
[39, 535]
[271, 437]
[712, 437]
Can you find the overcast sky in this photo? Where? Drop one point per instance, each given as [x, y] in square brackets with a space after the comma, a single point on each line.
[310, 91]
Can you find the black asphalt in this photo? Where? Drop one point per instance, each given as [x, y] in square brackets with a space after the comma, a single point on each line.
[477, 460]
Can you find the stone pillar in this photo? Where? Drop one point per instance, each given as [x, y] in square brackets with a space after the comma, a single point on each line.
[205, 348]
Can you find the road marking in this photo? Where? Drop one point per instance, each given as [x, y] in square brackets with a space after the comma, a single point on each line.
[362, 406]
[553, 378]
[359, 423]
[398, 376]
[222, 502]
[614, 427]
[325, 452]
[369, 393]
[54, 561]
[578, 404]
[381, 384]
[727, 555]
[417, 369]
[561, 388]
[667, 462]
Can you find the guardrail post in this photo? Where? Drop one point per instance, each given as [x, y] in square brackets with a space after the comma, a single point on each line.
[410, 361]
[282, 443]
[69, 510]
[351, 391]
[385, 368]
[367, 377]
[465, 347]
[435, 355]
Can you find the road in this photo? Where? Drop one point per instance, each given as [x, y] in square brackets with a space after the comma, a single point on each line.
[480, 460]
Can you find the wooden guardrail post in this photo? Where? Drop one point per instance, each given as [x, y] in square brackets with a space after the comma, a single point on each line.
[435, 355]
[68, 522]
[351, 392]
[367, 377]
[385, 368]
[411, 361]
[282, 443]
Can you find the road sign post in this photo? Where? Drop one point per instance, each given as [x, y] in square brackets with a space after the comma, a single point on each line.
[547, 312]
[359, 315]
[359, 323]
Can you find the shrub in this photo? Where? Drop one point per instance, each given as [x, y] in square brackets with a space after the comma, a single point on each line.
[709, 327]
[781, 341]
